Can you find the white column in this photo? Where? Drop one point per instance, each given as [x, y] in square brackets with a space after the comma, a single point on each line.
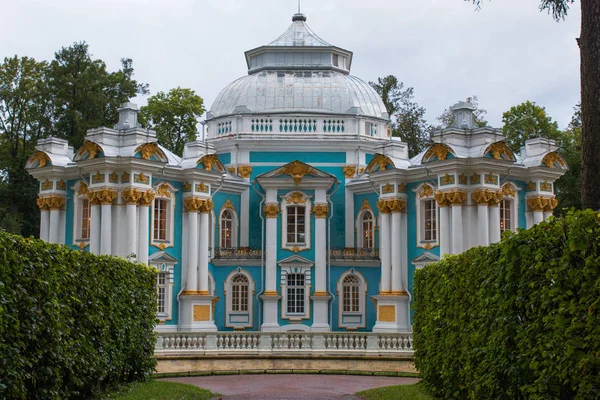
[457, 234]
[106, 229]
[483, 227]
[203, 251]
[244, 218]
[45, 224]
[396, 253]
[385, 250]
[54, 225]
[95, 228]
[404, 249]
[192, 258]
[444, 229]
[63, 226]
[143, 233]
[320, 254]
[494, 211]
[130, 229]
[349, 217]
[547, 215]
[528, 219]
[271, 249]
[538, 216]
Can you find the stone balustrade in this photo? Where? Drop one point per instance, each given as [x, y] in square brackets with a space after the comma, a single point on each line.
[304, 343]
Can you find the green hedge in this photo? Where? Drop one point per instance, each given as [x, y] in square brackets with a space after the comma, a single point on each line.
[515, 320]
[71, 322]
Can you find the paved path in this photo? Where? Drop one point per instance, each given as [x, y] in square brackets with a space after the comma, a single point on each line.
[290, 387]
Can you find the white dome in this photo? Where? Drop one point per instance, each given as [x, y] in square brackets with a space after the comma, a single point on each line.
[304, 91]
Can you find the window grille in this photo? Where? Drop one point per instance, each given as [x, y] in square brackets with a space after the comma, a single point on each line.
[296, 225]
[350, 290]
[295, 293]
[239, 293]
[160, 219]
[430, 220]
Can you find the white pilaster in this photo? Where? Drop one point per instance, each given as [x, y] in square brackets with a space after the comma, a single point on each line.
[62, 227]
[192, 258]
[244, 218]
[54, 225]
[483, 226]
[396, 252]
[538, 216]
[404, 250]
[130, 236]
[385, 252]
[320, 298]
[143, 233]
[494, 211]
[105, 229]
[547, 215]
[45, 225]
[349, 217]
[528, 219]
[457, 234]
[95, 228]
[271, 297]
[444, 233]
[203, 252]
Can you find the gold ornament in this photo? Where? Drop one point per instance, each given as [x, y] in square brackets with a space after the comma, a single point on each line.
[387, 189]
[98, 178]
[131, 196]
[456, 197]
[537, 203]
[125, 178]
[141, 179]
[462, 179]
[207, 206]
[147, 198]
[426, 191]
[104, 196]
[382, 206]
[271, 210]
[231, 170]
[439, 150]
[531, 186]
[297, 170]
[162, 246]
[498, 150]
[187, 187]
[228, 205]
[440, 199]
[550, 205]
[61, 185]
[320, 210]
[91, 148]
[47, 185]
[83, 189]
[551, 159]
[396, 205]
[491, 179]
[150, 149]
[82, 245]
[486, 196]
[295, 198]
[545, 187]
[475, 179]
[380, 160]
[201, 188]
[192, 204]
[401, 188]
[42, 203]
[163, 190]
[365, 205]
[210, 160]
[349, 171]
[41, 158]
[508, 190]
[244, 171]
[113, 178]
[448, 180]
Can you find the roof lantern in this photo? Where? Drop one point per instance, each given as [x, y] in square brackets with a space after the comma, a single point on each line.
[463, 115]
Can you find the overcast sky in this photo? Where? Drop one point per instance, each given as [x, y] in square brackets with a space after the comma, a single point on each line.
[506, 53]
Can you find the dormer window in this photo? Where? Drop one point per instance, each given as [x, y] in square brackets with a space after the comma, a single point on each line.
[339, 61]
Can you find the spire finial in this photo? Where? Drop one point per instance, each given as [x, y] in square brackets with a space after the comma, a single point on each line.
[299, 12]
[299, 16]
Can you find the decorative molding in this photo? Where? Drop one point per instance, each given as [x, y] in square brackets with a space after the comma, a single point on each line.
[545, 187]
[295, 198]
[380, 160]
[201, 188]
[387, 189]
[455, 197]
[382, 206]
[164, 191]
[98, 178]
[51, 202]
[228, 205]
[83, 189]
[507, 190]
[47, 185]
[439, 150]
[297, 170]
[490, 179]
[271, 210]
[531, 187]
[61, 185]
[426, 191]
[396, 205]
[187, 187]
[321, 210]
[551, 159]
[366, 205]
[475, 179]
[113, 178]
[41, 158]
[194, 204]
[90, 147]
[542, 203]
[462, 179]
[141, 179]
[448, 180]
[349, 171]
[387, 313]
[150, 149]
[209, 161]
[147, 198]
[486, 196]
[131, 196]
[104, 196]
[125, 178]
[244, 171]
[498, 150]
[201, 313]
[440, 199]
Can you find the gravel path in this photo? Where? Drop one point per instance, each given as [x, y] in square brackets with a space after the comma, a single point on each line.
[290, 387]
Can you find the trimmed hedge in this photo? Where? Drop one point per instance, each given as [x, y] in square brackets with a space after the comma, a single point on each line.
[515, 320]
[71, 322]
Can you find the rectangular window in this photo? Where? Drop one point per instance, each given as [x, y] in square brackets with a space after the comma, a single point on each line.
[296, 225]
[161, 288]
[505, 222]
[336, 60]
[295, 293]
[160, 219]
[351, 303]
[430, 220]
[85, 219]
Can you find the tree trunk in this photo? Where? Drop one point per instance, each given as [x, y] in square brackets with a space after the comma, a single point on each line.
[589, 44]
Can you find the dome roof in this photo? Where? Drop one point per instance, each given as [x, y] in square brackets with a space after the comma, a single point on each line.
[327, 92]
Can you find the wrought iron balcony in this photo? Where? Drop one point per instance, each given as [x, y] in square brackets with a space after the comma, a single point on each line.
[353, 254]
[242, 253]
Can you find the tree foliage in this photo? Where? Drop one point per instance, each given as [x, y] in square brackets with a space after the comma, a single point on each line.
[71, 322]
[516, 320]
[568, 187]
[174, 116]
[528, 121]
[407, 117]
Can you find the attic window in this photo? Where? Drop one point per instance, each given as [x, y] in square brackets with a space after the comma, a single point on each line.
[336, 60]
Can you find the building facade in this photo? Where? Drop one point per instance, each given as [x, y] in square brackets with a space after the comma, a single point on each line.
[297, 211]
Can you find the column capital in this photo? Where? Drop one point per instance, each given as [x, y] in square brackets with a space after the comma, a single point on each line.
[103, 196]
[349, 171]
[131, 196]
[320, 210]
[540, 203]
[487, 197]
[51, 203]
[192, 204]
[441, 199]
[271, 210]
[455, 197]
[207, 206]
[382, 206]
[147, 198]
[396, 205]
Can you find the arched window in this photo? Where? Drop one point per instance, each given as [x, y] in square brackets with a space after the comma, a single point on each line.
[350, 290]
[239, 293]
[506, 223]
[367, 231]
[227, 226]
[239, 289]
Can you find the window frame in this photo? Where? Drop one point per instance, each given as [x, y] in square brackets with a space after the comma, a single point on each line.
[352, 319]
[422, 196]
[360, 232]
[79, 199]
[239, 318]
[295, 265]
[164, 192]
[234, 228]
[509, 189]
[166, 269]
[295, 199]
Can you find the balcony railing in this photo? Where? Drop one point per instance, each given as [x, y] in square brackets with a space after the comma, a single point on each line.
[242, 253]
[352, 254]
[304, 343]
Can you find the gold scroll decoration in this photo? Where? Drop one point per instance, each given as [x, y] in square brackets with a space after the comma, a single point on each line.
[500, 151]
[104, 196]
[380, 160]
[382, 206]
[396, 205]
[131, 196]
[426, 191]
[297, 170]
[147, 198]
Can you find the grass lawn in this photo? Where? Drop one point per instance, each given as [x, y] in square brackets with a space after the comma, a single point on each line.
[158, 390]
[401, 392]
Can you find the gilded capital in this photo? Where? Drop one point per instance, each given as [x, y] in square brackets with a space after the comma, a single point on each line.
[271, 210]
[207, 206]
[192, 204]
[456, 197]
[51, 203]
[42, 204]
[550, 205]
[321, 210]
[396, 205]
[244, 171]
[441, 199]
[350, 171]
[103, 196]
[496, 198]
[546, 204]
[147, 198]
[131, 196]
[486, 196]
[382, 206]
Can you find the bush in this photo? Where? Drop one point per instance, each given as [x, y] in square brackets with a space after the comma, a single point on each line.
[71, 322]
[515, 320]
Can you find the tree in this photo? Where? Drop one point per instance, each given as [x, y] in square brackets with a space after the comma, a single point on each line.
[528, 121]
[568, 187]
[407, 117]
[589, 46]
[174, 116]
[25, 117]
[447, 117]
[86, 95]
